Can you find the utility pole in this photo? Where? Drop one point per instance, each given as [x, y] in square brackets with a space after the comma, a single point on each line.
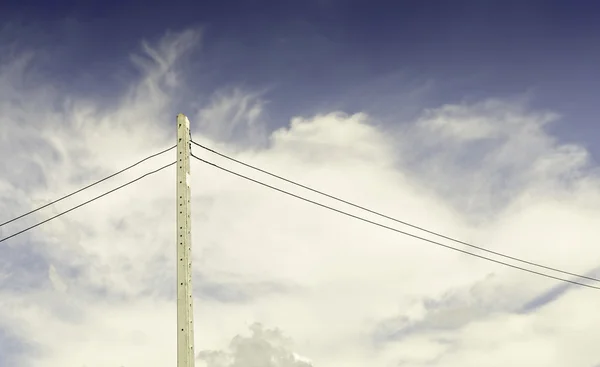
[185, 303]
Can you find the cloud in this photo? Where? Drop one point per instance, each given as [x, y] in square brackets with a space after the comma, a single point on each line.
[267, 348]
[233, 115]
[96, 286]
[483, 155]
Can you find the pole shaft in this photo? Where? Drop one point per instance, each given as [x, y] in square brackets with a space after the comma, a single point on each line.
[185, 309]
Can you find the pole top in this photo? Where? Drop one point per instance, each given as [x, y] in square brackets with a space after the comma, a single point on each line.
[181, 118]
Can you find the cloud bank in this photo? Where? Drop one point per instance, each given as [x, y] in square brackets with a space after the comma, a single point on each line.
[96, 286]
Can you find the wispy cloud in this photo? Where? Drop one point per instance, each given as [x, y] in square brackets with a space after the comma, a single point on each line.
[233, 115]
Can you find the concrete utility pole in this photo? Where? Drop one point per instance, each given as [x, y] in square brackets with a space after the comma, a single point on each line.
[185, 303]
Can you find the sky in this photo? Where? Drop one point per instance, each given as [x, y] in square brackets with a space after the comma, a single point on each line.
[475, 119]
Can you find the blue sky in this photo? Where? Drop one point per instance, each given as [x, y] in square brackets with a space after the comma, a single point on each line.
[475, 119]
[355, 55]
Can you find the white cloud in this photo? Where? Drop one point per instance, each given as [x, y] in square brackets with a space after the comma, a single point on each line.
[96, 287]
[233, 114]
[267, 348]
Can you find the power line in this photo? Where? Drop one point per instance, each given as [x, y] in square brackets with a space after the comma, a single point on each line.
[394, 229]
[86, 202]
[86, 187]
[395, 219]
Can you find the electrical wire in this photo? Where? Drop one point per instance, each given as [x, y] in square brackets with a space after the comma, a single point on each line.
[86, 187]
[86, 202]
[397, 220]
[394, 229]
